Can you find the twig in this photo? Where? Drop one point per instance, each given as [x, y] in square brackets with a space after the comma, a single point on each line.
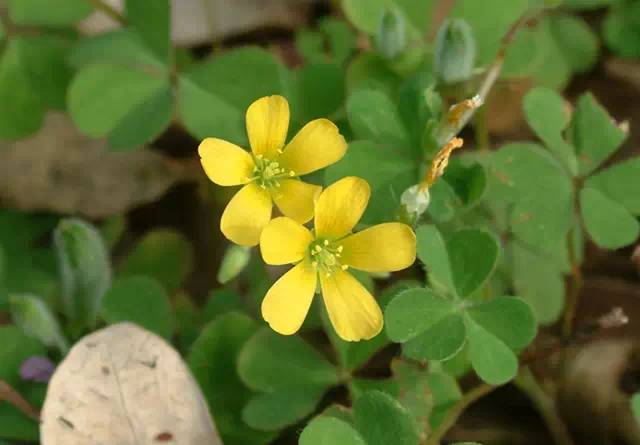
[573, 296]
[545, 405]
[109, 10]
[13, 397]
[456, 411]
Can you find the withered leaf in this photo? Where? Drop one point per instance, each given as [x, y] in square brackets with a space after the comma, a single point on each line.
[61, 170]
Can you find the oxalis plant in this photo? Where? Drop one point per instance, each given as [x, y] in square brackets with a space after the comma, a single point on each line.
[385, 264]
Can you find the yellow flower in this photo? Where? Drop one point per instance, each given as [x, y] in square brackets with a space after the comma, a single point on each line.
[326, 254]
[270, 173]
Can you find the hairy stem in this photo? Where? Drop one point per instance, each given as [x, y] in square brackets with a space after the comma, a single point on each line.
[545, 405]
[13, 397]
[109, 10]
[456, 411]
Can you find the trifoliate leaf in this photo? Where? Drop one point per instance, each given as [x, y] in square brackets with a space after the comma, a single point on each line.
[609, 224]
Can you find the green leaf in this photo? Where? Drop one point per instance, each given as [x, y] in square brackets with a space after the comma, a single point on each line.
[388, 172]
[151, 20]
[212, 360]
[342, 39]
[141, 300]
[432, 251]
[489, 20]
[539, 191]
[620, 29]
[548, 116]
[381, 420]
[609, 224]
[594, 134]
[41, 13]
[491, 358]
[430, 325]
[85, 270]
[469, 270]
[577, 42]
[366, 15]
[444, 202]
[325, 430]
[268, 356]
[120, 47]
[320, 90]
[277, 410]
[373, 116]
[509, 319]
[15, 348]
[21, 108]
[635, 406]
[145, 123]
[369, 71]
[114, 100]
[224, 87]
[220, 302]
[620, 183]
[455, 51]
[35, 319]
[469, 181]
[445, 393]
[163, 254]
[418, 12]
[414, 392]
[539, 282]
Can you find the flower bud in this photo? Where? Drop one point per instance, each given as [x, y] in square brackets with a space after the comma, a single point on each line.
[455, 51]
[234, 261]
[391, 39]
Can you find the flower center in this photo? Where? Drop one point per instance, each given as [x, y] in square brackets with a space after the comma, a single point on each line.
[325, 256]
[268, 173]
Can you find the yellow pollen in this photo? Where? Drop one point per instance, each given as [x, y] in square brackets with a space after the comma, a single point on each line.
[344, 267]
[326, 242]
[318, 249]
[339, 249]
[292, 173]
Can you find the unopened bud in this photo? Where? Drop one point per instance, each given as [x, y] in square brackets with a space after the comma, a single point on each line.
[415, 200]
[455, 51]
[234, 261]
[391, 39]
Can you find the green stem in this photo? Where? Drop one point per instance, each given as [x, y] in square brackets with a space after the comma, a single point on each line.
[573, 296]
[456, 411]
[109, 10]
[481, 129]
[545, 405]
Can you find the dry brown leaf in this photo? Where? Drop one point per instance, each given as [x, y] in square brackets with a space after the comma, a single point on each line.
[61, 170]
[124, 385]
[197, 22]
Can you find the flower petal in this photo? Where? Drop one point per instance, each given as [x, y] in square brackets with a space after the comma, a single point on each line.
[353, 311]
[382, 248]
[284, 241]
[225, 163]
[287, 302]
[267, 125]
[340, 207]
[296, 199]
[317, 144]
[246, 215]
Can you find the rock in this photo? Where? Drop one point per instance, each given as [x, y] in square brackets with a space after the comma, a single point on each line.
[124, 385]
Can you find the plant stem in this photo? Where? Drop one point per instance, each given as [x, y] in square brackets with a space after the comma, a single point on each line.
[109, 10]
[13, 397]
[456, 411]
[545, 405]
[481, 129]
[573, 296]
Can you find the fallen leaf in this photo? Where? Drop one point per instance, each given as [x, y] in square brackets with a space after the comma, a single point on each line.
[61, 170]
[196, 22]
[124, 385]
